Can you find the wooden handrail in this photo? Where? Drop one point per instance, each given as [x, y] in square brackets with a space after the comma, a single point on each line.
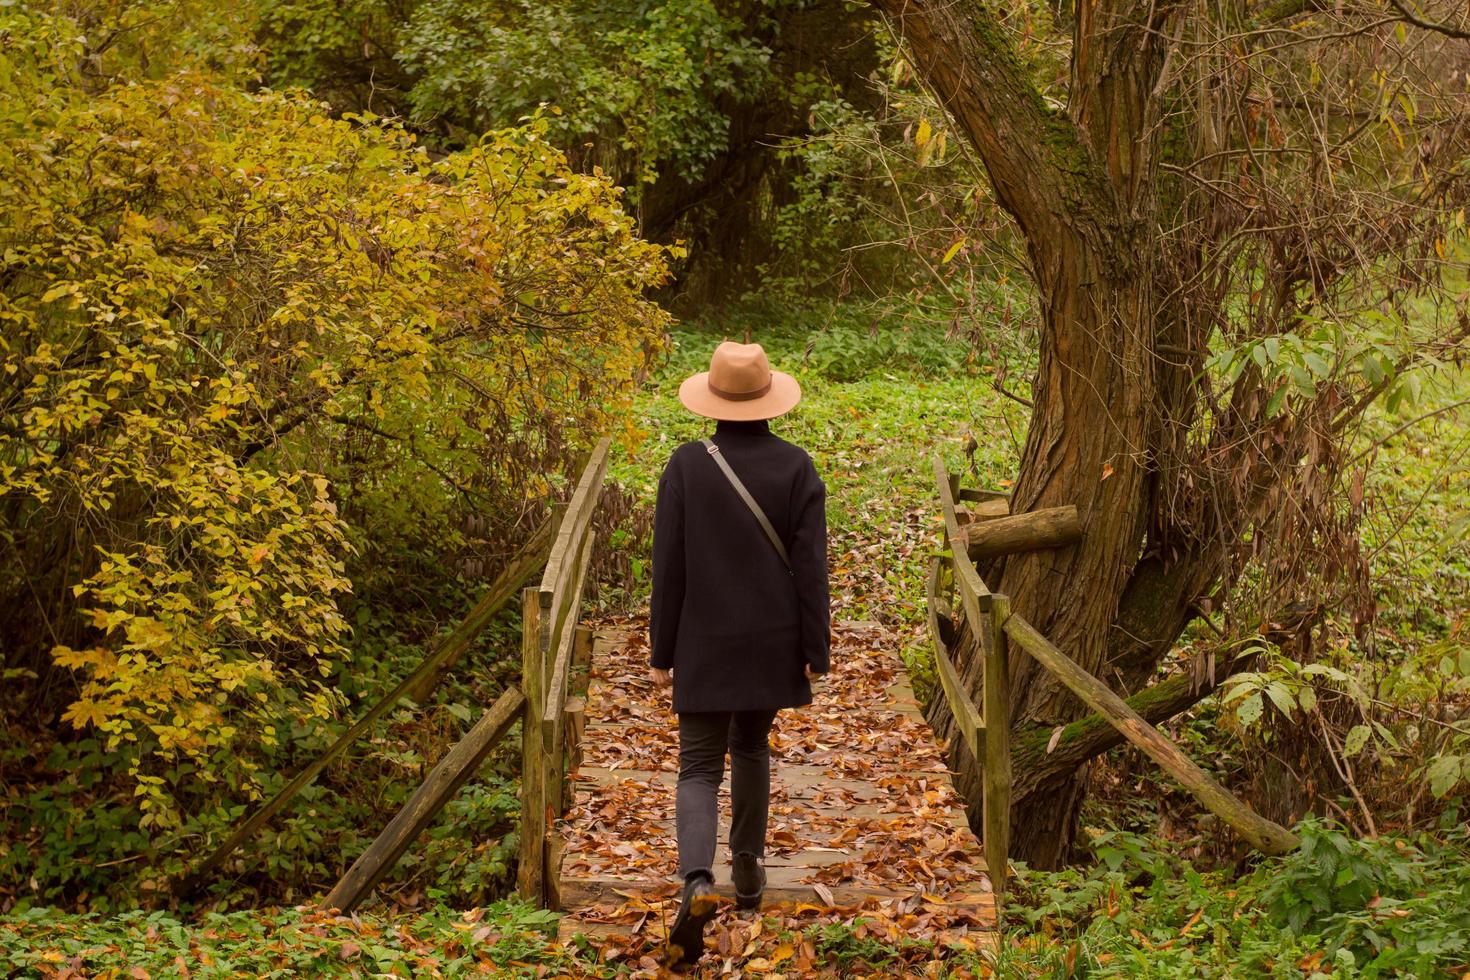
[973, 592]
[967, 717]
[991, 624]
[560, 563]
[417, 684]
[457, 766]
[987, 734]
[550, 626]
[1265, 835]
[556, 692]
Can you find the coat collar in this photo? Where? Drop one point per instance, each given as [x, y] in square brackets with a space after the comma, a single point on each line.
[758, 427]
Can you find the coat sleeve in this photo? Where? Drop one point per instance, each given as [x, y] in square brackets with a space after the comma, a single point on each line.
[667, 599]
[809, 567]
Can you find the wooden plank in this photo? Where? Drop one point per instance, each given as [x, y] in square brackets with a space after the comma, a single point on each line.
[530, 876]
[974, 596]
[996, 819]
[447, 651]
[457, 766]
[556, 688]
[1052, 527]
[967, 717]
[983, 495]
[987, 510]
[800, 780]
[565, 549]
[1262, 834]
[581, 892]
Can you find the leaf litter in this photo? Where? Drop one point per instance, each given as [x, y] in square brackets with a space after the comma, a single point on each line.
[867, 847]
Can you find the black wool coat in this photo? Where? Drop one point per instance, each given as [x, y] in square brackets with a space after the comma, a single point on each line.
[737, 628]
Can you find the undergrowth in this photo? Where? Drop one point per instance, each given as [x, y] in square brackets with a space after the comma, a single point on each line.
[1339, 906]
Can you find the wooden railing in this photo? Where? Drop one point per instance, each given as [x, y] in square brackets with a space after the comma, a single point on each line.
[564, 544]
[549, 639]
[996, 630]
[550, 643]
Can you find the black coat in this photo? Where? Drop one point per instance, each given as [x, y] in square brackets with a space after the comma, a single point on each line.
[734, 625]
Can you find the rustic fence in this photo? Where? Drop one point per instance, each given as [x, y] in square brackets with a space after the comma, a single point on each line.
[553, 647]
[986, 529]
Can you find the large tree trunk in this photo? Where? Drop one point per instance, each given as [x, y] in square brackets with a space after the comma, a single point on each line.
[1080, 187]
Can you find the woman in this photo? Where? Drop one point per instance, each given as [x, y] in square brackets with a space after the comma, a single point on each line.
[739, 617]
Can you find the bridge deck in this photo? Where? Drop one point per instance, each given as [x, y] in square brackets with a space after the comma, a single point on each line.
[863, 814]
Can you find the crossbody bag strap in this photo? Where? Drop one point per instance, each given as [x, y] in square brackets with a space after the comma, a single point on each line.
[755, 508]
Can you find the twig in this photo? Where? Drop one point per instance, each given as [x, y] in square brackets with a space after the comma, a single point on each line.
[1012, 395]
[1429, 25]
[1345, 773]
[1407, 425]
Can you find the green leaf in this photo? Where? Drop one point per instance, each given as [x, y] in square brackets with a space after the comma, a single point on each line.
[1250, 710]
[1444, 774]
[1281, 696]
[1357, 737]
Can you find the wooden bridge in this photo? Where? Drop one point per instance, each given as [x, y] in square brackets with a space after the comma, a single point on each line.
[863, 816]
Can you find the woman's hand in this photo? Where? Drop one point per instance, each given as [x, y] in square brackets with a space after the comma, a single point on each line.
[661, 677]
[812, 675]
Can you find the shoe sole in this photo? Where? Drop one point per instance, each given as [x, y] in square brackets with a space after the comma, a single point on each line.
[749, 901]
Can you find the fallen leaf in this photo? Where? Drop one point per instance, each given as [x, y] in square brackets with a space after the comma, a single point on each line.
[1056, 736]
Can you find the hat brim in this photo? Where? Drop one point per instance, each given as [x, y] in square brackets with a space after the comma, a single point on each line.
[784, 394]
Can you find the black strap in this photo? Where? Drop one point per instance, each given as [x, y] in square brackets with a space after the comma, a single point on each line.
[755, 508]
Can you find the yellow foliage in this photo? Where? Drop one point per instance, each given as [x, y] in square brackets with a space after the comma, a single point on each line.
[242, 341]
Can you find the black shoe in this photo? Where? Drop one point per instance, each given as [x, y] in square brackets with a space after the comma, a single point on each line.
[750, 880]
[686, 936]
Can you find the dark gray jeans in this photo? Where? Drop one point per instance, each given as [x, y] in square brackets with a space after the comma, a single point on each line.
[704, 737]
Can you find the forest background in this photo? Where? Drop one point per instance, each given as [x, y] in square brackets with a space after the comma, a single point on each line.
[308, 310]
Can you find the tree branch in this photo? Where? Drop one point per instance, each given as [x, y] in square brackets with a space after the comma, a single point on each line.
[1090, 737]
[1041, 169]
[1411, 16]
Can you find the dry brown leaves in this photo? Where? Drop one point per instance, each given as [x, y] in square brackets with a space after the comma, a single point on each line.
[865, 826]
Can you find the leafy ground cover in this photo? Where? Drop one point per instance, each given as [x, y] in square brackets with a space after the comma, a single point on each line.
[504, 939]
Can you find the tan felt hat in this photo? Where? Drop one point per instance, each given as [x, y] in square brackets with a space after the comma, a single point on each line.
[739, 386]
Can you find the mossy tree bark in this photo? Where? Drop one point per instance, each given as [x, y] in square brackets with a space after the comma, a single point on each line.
[1080, 186]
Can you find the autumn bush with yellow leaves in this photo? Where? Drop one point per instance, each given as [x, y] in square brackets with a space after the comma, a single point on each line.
[254, 359]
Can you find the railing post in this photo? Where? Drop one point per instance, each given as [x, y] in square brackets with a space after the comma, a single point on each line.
[531, 878]
[997, 697]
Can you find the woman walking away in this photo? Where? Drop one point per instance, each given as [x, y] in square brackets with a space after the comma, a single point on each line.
[739, 617]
